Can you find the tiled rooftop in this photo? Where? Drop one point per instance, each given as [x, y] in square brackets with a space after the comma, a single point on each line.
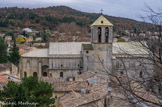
[129, 48]
[37, 53]
[87, 46]
[68, 86]
[74, 99]
[65, 48]
[74, 48]
[3, 79]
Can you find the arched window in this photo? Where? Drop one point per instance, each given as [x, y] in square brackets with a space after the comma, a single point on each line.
[106, 35]
[45, 74]
[35, 74]
[99, 34]
[121, 72]
[61, 74]
[25, 74]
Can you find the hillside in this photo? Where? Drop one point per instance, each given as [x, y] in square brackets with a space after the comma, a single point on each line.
[53, 17]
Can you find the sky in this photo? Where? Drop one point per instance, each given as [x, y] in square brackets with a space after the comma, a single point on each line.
[120, 8]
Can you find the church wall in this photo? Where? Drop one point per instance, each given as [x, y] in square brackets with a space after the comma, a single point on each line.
[103, 57]
[66, 73]
[110, 34]
[31, 65]
[133, 65]
[88, 60]
[103, 35]
[65, 63]
[94, 35]
[70, 67]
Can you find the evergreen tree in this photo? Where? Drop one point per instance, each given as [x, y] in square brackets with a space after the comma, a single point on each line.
[14, 56]
[29, 90]
[3, 51]
[46, 36]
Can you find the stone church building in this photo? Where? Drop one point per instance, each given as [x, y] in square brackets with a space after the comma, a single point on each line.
[68, 59]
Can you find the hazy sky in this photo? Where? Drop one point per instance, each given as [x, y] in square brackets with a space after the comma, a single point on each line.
[122, 8]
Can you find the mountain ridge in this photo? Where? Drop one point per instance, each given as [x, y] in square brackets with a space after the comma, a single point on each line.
[51, 17]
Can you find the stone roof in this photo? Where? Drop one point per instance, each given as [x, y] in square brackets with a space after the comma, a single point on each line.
[68, 86]
[102, 21]
[65, 48]
[87, 75]
[37, 53]
[129, 48]
[74, 49]
[87, 46]
[74, 99]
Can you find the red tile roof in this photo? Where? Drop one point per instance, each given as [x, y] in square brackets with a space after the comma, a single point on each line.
[3, 79]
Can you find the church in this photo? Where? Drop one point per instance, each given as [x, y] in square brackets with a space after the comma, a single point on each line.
[66, 60]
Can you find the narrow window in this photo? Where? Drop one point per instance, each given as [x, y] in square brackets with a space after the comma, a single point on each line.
[141, 74]
[106, 35]
[99, 34]
[61, 74]
[45, 74]
[50, 74]
[25, 74]
[87, 52]
[35, 74]
[121, 72]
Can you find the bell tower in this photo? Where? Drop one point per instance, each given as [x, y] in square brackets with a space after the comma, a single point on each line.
[101, 40]
[101, 31]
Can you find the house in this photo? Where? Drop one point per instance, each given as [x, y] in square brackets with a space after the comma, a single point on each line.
[5, 68]
[8, 77]
[3, 79]
[27, 30]
[39, 44]
[8, 69]
[23, 48]
[38, 39]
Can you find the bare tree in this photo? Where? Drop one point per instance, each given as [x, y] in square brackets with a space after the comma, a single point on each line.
[144, 88]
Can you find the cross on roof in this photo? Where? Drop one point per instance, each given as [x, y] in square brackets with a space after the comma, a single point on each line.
[101, 10]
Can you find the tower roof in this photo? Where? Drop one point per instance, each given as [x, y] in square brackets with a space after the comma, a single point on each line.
[102, 21]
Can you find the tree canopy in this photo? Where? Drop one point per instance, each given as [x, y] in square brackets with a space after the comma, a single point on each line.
[28, 93]
[14, 56]
[3, 51]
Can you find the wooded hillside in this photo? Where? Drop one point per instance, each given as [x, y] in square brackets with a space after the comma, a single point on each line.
[51, 17]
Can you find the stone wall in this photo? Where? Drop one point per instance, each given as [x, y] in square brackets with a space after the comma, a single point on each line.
[69, 67]
[133, 66]
[31, 65]
[99, 59]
